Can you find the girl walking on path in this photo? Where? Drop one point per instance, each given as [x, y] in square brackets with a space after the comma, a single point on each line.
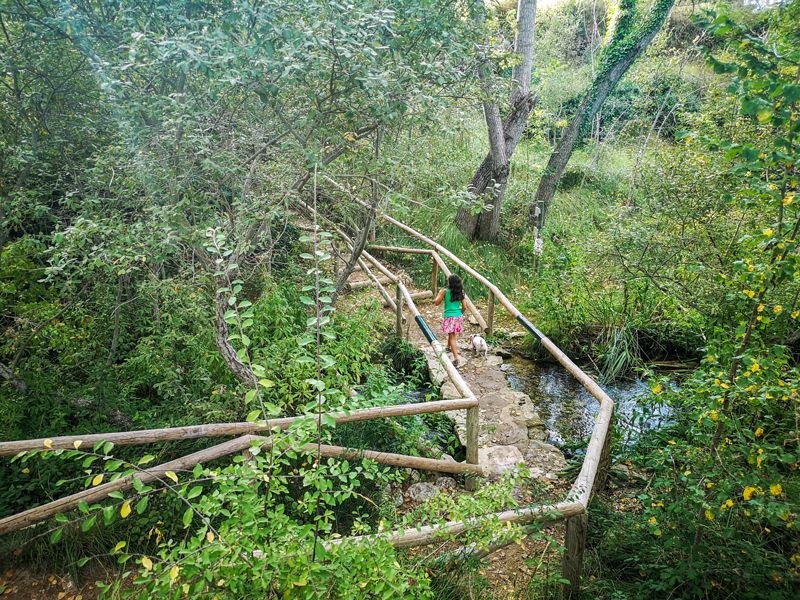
[453, 323]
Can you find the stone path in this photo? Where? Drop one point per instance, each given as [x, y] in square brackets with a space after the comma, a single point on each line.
[511, 431]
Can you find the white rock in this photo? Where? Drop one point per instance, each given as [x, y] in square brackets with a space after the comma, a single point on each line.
[497, 460]
[422, 491]
[445, 483]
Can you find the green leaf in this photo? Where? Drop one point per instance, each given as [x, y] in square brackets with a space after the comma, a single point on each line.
[187, 517]
[56, 535]
[254, 416]
[88, 523]
[194, 492]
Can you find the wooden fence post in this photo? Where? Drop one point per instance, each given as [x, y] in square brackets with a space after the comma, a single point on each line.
[604, 464]
[490, 314]
[398, 325]
[575, 543]
[434, 276]
[473, 428]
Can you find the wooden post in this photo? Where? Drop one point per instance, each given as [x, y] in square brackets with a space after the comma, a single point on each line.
[490, 314]
[473, 427]
[575, 543]
[604, 464]
[434, 276]
[398, 324]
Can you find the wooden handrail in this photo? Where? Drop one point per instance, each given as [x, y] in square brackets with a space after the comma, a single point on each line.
[40, 513]
[399, 249]
[422, 536]
[473, 414]
[581, 490]
[171, 434]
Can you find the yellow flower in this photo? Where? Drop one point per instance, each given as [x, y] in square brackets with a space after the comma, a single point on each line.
[652, 521]
[749, 293]
[755, 367]
[760, 308]
[759, 432]
[788, 199]
[709, 515]
[714, 416]
[709, 485]
[767, 232]
[656, 389]
[796, 314]
[727, 504]
[778, 309]
[749, 492]
[776, 489]
[561, 123]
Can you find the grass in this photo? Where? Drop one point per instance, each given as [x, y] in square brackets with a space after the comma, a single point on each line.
[579, 296]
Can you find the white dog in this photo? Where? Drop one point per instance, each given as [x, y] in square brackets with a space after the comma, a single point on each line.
[479, 346]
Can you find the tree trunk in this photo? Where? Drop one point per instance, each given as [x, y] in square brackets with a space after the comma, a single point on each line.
[626, 45]
[240, 370]
[491, 178]
[350, 265]
[486, 225]
[7, 374]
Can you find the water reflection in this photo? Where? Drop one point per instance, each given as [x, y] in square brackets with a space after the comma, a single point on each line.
[568, 410]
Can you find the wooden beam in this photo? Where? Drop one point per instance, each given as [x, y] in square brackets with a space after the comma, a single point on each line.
[399, 249]
[398, 322]
[171, 434]
[387, 299]
[396, 460]
[359, 285]
[434, 275]
[490, 314]
[575, 544]
[40, 513]
[416, 296]
[422, 536]
[241, 444]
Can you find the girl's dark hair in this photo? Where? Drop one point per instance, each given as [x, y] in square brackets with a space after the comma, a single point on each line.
[456, 288]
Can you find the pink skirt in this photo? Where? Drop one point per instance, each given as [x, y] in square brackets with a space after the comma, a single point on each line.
[453, 324]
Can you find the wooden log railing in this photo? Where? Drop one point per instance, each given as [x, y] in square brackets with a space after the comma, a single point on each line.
[573, 509]
[243, 443]
[172, 434]
[597, 459]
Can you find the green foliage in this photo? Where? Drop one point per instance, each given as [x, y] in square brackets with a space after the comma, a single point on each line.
[718, 516]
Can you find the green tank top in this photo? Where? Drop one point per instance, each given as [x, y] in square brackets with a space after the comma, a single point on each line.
[451, 308]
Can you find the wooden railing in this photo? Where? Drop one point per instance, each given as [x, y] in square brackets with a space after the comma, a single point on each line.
[572, 509]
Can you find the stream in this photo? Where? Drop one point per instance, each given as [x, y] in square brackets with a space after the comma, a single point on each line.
[568, 410]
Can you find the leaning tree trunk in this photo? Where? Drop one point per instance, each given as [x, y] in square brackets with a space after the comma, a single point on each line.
[491, 178]
[359, 245]
[240, 370]
[626, 45]
[7, 373]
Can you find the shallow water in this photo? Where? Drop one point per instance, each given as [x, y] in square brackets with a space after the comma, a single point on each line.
[568, 410]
